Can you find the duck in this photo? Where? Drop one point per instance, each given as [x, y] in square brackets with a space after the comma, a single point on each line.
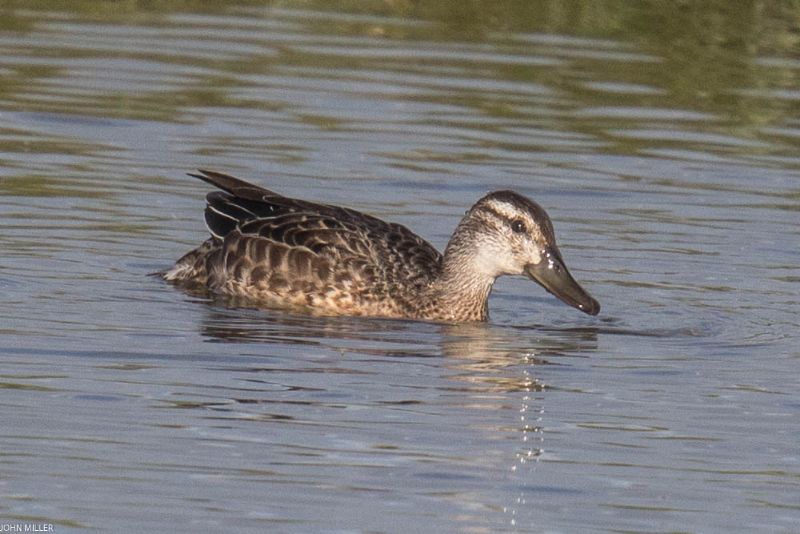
[272, 251]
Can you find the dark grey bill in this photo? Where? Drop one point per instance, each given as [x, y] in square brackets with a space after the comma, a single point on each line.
[553, 275]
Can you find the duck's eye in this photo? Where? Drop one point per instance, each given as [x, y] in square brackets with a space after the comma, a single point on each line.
[518, 226]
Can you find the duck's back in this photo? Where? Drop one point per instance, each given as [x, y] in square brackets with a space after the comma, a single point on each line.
[279, 251]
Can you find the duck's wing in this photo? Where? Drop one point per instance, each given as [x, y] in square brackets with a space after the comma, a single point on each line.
[338, 234]
[243, 202]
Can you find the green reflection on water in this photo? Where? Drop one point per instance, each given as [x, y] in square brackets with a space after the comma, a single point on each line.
[706, 57]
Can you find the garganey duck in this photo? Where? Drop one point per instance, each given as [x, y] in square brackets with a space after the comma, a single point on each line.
[275, 251]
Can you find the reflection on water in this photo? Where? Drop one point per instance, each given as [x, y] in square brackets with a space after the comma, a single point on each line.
[660, 137]
[476, 355]
[484, 369]
[472, 341]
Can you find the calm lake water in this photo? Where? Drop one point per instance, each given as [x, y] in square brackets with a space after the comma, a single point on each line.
[663, 139]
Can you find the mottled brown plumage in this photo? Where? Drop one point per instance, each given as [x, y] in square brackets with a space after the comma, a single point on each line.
[280, 252]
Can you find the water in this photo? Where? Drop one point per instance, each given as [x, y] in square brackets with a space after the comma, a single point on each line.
[662, 141]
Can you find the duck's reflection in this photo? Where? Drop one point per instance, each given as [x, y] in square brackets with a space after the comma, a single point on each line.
[483, 344]
[486, 369]
[477, 355]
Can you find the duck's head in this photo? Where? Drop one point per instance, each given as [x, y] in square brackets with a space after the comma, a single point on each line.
[506, 233]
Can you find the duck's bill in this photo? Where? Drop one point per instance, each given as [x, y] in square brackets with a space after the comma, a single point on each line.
[553, 275]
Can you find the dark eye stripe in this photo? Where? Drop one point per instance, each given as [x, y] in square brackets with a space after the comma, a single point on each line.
[516, 224]
[535, 218]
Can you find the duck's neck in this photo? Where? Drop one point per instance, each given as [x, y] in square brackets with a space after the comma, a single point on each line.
[463, 287]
